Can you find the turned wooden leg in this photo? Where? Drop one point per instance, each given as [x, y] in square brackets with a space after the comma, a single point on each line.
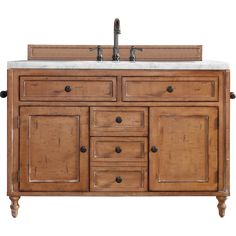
[221, 205]
[14, 206]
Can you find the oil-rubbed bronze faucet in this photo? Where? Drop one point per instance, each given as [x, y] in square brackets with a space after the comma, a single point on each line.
[99, 52]
[116, 54]
[132, 56]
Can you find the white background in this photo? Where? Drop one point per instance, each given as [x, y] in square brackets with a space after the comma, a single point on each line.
[209, 23]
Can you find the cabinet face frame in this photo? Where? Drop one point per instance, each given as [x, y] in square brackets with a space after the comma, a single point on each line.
[190, 173]
[70, 170]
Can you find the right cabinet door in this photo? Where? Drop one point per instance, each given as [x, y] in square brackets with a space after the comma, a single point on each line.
[183, 148]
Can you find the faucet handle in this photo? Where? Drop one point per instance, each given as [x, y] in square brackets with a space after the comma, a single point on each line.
[99, 52]
[133, 49]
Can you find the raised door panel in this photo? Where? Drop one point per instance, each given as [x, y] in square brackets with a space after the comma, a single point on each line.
[50, 141]
[186, 141]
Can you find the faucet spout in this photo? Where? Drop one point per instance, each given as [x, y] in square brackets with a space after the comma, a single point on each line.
[116, 54]
[117, 26]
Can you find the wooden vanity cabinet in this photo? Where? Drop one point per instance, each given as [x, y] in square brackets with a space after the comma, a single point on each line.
[118, 132]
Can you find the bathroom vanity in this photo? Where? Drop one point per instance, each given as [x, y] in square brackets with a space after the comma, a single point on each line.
[87, 128]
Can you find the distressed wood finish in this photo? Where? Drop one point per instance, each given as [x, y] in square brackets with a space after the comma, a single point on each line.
[133, 121]
[202, 124]
[184, 88]
[50, 141]
[54, 88]
[131, 179]
[82, 52]
[186, 139]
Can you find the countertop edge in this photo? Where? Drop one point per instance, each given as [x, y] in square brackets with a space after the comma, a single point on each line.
[73, 65]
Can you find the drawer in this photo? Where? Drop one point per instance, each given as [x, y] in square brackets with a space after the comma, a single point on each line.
[118, 121]
[118, 179]
[68, 88]
[118, 149]
[170, 88]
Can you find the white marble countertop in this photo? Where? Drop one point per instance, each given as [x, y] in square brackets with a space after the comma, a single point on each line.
[180, 65]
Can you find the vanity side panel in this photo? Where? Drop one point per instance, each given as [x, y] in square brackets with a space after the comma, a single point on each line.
[227, 134]
[222, 137]
[12, 132]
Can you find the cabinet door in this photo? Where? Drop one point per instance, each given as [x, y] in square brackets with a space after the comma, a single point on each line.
[186, 156]
[50, 142]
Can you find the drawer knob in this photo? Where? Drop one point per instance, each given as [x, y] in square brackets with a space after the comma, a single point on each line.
[232, 95]
[154, 149]
[68, 89]
[170, 89]
[118, 150]
[118, 179]
[118, 119]
[83, 149]
[3, 94]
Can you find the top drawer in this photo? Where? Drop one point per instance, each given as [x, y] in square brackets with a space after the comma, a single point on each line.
[68, 88]
[181, 88]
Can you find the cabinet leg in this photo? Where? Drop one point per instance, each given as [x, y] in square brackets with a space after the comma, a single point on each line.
[221, 205]
[14, 206]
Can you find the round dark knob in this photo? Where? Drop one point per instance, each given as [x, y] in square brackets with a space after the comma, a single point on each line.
[118, 150]
[118, 179]
[170, 89]
[83, 149]
[118, 119]
[232, 95]
[154, 149]
[68, 89]
[3, 94]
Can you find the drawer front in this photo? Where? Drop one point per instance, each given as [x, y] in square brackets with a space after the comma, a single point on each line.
[170, 88]
[118, 179]
[118, 149]
[68, 88]
[118, 121]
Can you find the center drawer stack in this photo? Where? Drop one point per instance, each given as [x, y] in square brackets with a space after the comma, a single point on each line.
[118, 148]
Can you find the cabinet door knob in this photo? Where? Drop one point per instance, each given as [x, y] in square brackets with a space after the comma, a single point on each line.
[83, 149]
[118, 179]
[154, 149]
[118, 150]
[169, 89]
[68, 89]
[118, 119]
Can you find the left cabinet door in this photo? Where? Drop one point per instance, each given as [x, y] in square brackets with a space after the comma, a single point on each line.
[54, 149]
